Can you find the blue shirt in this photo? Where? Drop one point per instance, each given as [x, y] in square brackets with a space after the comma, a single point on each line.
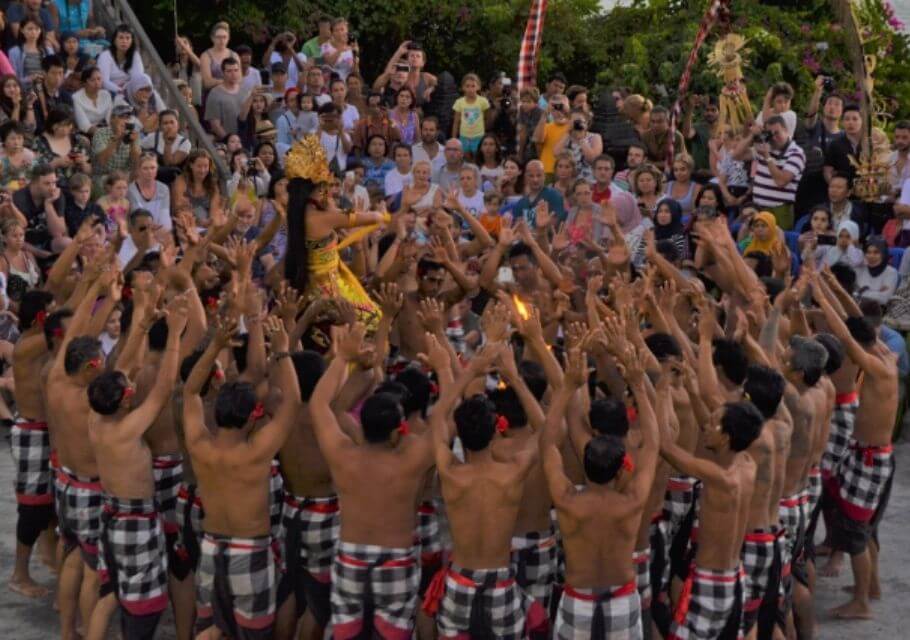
[527, 208]
[374, 174]
[895, 342]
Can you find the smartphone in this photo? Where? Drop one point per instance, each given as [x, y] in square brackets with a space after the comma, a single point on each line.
[826, 240]
[265, 77]
[403, 67]
[507, 82]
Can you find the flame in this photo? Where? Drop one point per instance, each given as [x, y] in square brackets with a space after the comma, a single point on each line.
[521, 307]
[501, 384]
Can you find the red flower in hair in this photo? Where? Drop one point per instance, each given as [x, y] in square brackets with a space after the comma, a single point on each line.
[627, 464]
[631, 414]
[218, 375]
[126, 293]
[434, 388]
[258, 411]
[502, 424]
[404, 428]
[94, 363]
[129, 392]
[211, 302]
[40, 317]
[57, 332]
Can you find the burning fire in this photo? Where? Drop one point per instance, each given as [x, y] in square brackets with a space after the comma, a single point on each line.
[521, 307]
[501, 384]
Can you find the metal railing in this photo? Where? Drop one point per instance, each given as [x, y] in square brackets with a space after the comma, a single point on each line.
[109, 14]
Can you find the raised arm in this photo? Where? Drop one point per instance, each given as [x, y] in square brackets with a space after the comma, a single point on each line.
[348, 345]
[193, 413]
[509, 370]
[707, 375]
[643, 474]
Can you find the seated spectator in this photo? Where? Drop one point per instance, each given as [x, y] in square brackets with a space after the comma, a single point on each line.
[144, 100]
[335, 142]
[421, 196]
[635, 157]
[197, 187]
[114, 202]
[647, 186]
[450, 173]
[17, 262]
[139, 241]
[376, 163]
[399, 177]
[765, 237]
[840, 204]
[276, 92]
[266, 152]
[375, 122]
[60, 148]
[80, 206]
[356, 97]
[224, 102]
[876, 279]
[275, 204]
[606, 193]
[18, 12]
[845, 250]
[338, 90]
[254, 118]
[17, 160]
[818, 234]
[147, 192]
[42, 203]
[584, 223]
[470, 197]
[76, 18]
[170, 147]
[16, 104]
[777, 103]
[657, 138]
[489, 162]
[26, 57]
[211, 62]
[668, 226]
[50, 90]
[564, 175]
[116, 146]
[682, 188]
[187, 68]
[248, 176]
[536, 192]
[120, 62]
[91, 104]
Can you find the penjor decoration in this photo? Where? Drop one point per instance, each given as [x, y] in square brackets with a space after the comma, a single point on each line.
[733, 103]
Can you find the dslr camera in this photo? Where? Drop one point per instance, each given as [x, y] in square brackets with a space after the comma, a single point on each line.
[764, 137]
[828, 84]
[129, 128]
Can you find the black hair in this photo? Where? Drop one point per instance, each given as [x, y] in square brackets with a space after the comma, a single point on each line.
[57, 116]
[609, 417]
[603, 457]
[105, 393]
[87, 73]
[34, 301]
[158, 333]
[509, 406]
[765, 388]
[535, 378]
[309, 367]
[419, 388]
[135, 214]
[872, 311]
[380, 416]
[773, 286]
[186, 368]
[425, 264]
[53, 326]
[79, 351]
[663, 346]
[385, 243]
[521, 249]
[296, 260]
[852, 106]
[50, 61]
[742, 422]
[475, 419]
[835, 349]
[861, 330]
[845, 276]
[730, 356]
[229, 62]
[128, 57]
[234, 405]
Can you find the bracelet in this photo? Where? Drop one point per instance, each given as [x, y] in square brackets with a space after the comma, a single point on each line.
[278, 355]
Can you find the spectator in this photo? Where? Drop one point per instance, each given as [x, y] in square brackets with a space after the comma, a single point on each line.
[17, 160]
[91, 104]
[556, 86]
[470, 110]
[74, 61]
[114, 202]
[7, 38]
[637, 109]
[512, 185]
[146, 192]
[876, 279]
[252, 78]
[766, 237]
[536, 192]
[116, 146]
[404, 115]
[421, 196]
[17, 262]
[898, 165]
[605, 193]
[75, 17]
[657, 138]
[49, 89]
[489, 161]
[582, 145]
[339, 52]
[450, 173]
[139, 241]
[211, 62]
[27, 56]
[18, 12]
[399, 177]
[315, 86]
[818, 235]
[429, 149]
[249, 176]
[845, 250]
[635, 157]
[338, 90]
[376, 163]
[777, 103]
[188, 69]
[682, 189]
[668, 226]
[277, 90]
[281, 50]
[254, 119]
[647, 184]
[578, 100]
[698, 136]
[80, 206]
[529, 114]
[335, 142]
[224, 102]
[394, 77]
[584, 222]
[779, 166]
[550, 130]
[168, 145]
[266, 152]
[825, 129]
[144, 100]
[197, 188]
[120, 62]
[470, 197]
[299, 120]
[354, 85]
[844, 150]
[59, 147]
[840, 205]
[732, 174]
[275, 204]
[43, 205]
[564, 175]
[375, 122]
[312, 48]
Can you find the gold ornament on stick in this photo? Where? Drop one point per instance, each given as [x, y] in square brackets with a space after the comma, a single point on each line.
[727, 61]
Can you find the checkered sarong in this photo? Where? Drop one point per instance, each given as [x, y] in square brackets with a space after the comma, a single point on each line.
[382, 579]
[814, 489]
[613, 613]
[642, 561]
[31, 449]
[757, 558]
[236, 586]
[860, 480]
[842, 421]
[168, 473]
[706, 604]
[481, 603]
[132, 555]
[678, 502]
[78, 503]
[276, 498]
[189, 516]
[310, 528]
[534, 563]
[428, 536]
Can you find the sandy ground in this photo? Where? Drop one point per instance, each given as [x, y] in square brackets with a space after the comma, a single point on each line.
[25, 619]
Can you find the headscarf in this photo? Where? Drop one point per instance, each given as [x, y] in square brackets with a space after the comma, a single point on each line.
[850, 227]
[879, 243]
[764, 246]
[675, 226]
[138, 82]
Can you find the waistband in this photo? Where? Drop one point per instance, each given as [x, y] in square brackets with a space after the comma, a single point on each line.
[167, 461]
[327, 504]
[847, 398]
[72, 479]
[640, 557]
[534, 539]
[607, 593]
[130, 507]
[681, 483]
[31, 425]
[869, 452]
[815, 471]
[258, 543]
[723, 576]
[374, 555]
[477, 578]
[276, 467]
[427, 508]
[760, 535]
[795, 500]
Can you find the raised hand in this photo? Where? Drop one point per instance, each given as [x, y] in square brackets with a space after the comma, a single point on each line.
[495, 319]
[436, 356]
[276, 334]
[575, 335]
[287, 302]
[576, 373]
[390, 299]
[347, 341]
[225, 330]
[177, 310]
[631, 365]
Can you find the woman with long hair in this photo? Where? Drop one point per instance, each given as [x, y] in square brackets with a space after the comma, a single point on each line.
[120, 62]
[197, 187]
[404, 115]
[489, 161]
[60, 148]
[16, 105]
[26, 57]
[312, 263]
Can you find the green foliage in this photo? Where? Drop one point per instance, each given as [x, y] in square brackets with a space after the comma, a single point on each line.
[643, 47]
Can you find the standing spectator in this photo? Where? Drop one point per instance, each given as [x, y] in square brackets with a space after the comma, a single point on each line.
[637, 109]
[844, 150]
[340, 53]
[299, 120]
[777, 103]
[254, 117]
[17, 12]
[252, 78]
[657, 138]
[898, 165]
[825, 129]
[315, 86]
[779, 166]
[211, 62]
[120, 62]
[281, 50]
[354, 85]
[606, 194]
[529, 114]
[550, 130]
[222, 107]
[335, 142]
[419, 81]
[43, 205]
[578, 99]
[61, 149]
[731, 172]
[76, 17]
[375, 122]
[27, 56]
[91, 104]
[277, 90]
[489, 161]
[197, 188]
[170, 147]
[556, 86]
[146, 192]
[449, 174]
[698, 136]
[428, 149]
[582, 145]
[116, 146]
[338, 90]
[404, 115]
[188, 68]
[312, 48]
[470, 110]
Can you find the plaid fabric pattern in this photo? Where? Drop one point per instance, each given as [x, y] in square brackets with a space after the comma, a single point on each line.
[428, 536]
[132, 554]
[861, 478]
[599, 613]
[386, 579]
[678, 502]
[791, 512]
[189, 513]
[310, 528]
[814, 489]
[757, 558]
[482, 603]
[30, 445]
[168, 473]
[276, 498]
[236, 585]
[529, 53]
[842, 421]
[642, 561]
[705, 604]
[78, 503]
[534, 564]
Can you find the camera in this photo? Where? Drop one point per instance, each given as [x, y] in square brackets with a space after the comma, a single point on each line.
[705, 212]
[506, 101]
[129, 127]
[251, 167]
[406, 68]
[557, 106]
[765, 137]
[579, 125]
[828, 84]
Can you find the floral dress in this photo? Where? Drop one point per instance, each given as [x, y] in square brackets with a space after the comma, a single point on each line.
[46, 155]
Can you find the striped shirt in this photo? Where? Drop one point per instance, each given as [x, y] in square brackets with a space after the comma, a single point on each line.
[765, 192]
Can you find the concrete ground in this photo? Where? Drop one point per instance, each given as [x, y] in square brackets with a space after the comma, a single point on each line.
[25, 619]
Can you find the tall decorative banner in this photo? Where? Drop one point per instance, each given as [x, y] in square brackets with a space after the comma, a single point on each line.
[715, 9]
[530, 45]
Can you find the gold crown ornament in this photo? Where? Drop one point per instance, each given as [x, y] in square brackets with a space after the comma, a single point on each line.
[307, 160]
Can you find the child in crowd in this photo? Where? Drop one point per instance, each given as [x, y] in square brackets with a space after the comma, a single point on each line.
[470, 110]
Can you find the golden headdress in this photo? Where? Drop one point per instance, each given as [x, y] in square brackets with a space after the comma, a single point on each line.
[307, 160]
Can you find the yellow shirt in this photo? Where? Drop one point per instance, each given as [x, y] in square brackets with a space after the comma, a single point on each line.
[471, 114]
[552, 133]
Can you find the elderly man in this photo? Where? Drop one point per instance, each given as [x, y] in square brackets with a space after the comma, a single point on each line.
[449, 174]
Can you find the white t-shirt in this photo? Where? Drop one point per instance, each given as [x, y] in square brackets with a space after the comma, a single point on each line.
[395, 182]
[251, 80]
[349, 117]
[436, 162]
[293, 71]
[789, 118]
[333, 149]
[472, 204]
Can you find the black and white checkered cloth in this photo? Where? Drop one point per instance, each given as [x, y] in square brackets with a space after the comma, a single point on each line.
[309, 529]
[276, 498]
[132, 555]
[642, 561]
[236, 586]
[78, 503]
[757, 558]
[861, 478]
[706, 604]
[381, 579]
[30, 445]
[599, 613]
[815, 488]
[428, 536]
[168, 474]
[842, 420]
[534, 564]
[678, 502]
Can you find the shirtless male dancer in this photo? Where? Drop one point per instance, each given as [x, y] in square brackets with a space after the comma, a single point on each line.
[237, 578]
[376, 567]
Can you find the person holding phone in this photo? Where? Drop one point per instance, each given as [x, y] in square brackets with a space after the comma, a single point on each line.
[818, 234]
[550, 130]
[341, 52]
